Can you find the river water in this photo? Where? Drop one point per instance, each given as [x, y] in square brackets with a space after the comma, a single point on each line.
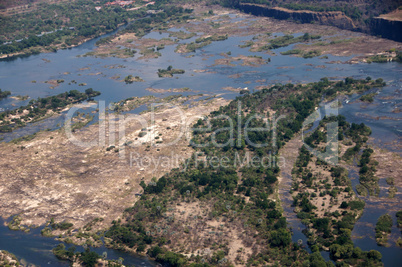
[18, 75]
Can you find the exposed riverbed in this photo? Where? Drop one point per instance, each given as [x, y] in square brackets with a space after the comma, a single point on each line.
[27, 76]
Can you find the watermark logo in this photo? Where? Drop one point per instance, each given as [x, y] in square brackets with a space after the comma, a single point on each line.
[238, 131]
[330, 152]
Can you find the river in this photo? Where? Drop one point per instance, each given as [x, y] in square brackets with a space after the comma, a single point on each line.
[26, 76]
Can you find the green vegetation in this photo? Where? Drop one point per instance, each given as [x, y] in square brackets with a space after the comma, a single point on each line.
[181, 35]
[390, 180]
[83, 120]
[329, 228]
[22, 97]
[201, 42]
[368, 97]
[367, 171]
[130, 79]
[8, 259]
[37, 109]
[292, 52]
[309, 54]
[379, 59]
[212, 38]
[4, 94]
[385, 58]
[383, 229]
[399, 219]
[287, 40]
[87, 258]
[169, 71]
[76, 22]
[14, 224]
[159, 20]
[152, 225]
[247, 44]
[392, 191]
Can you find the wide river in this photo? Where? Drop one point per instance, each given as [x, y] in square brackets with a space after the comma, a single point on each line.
[18, 75]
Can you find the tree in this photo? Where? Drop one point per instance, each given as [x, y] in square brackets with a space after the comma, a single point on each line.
[280, 238]
[89, 258]
[374, 254]
[89, 91]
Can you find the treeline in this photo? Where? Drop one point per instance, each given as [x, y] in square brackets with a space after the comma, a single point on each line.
[38, 108]
[78, 20]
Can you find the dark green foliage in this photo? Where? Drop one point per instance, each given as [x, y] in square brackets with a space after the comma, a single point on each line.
[384, 224]
[344, 205]
[62, 253]
[79, 20]
[201, 42]
[217, 185]
[280, 238]
[356, 205]
[286, 40]
[39, 107]
[399, 218]
[4, 94]
[169, 72]
[89, 258]
[63, 226]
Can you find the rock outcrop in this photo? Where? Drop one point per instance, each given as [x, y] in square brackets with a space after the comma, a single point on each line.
[387, 28]
[332, 18]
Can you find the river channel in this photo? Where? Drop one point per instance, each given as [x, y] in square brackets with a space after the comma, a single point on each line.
[26, 76]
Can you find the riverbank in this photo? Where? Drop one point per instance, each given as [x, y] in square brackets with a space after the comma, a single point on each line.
[333, 41]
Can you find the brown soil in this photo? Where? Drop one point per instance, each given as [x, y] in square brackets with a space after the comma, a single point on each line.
[394, 15]
[50, 177]
[389, 165]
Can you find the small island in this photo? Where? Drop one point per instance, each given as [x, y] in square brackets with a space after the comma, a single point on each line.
[4, 94]
[38, 109]
[169, 72]
[131, 79]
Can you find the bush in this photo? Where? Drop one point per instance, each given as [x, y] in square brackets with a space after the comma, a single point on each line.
[356, 205]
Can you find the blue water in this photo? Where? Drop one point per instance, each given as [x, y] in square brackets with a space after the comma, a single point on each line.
[69, 64]
[35, 249]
